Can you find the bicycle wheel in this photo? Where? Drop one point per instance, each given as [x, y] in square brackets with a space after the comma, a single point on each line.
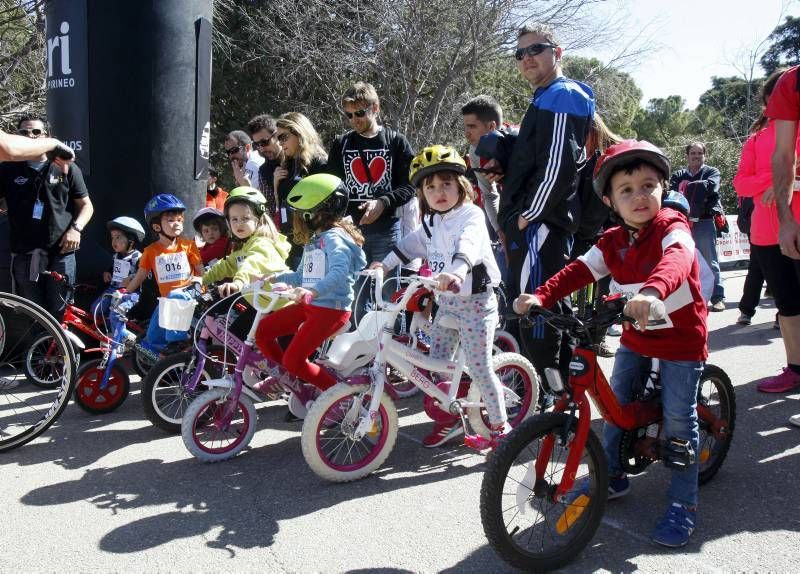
[43, 364]
[164, 396]
[27, 410]
[504, 342]
[329, 446]
[205, 436]
[716, 393]
[517, 375]
[88, 392]
[522, 522]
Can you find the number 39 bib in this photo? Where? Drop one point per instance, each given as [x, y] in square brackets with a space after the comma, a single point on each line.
[313, 268]
[172, 267]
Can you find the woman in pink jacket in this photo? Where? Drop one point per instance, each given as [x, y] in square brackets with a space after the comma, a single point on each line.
[754, 179]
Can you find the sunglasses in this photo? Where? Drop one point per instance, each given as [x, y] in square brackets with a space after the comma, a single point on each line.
[233, 150]
[532, 50]
[284, 137]
[34, 132]
[264, 142]
[357, 113]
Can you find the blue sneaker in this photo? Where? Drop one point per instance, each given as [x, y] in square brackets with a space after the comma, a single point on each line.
[676, 527]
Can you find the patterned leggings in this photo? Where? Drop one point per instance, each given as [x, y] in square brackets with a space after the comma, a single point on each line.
[476, 316]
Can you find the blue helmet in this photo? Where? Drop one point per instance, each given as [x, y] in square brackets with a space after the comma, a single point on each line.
[160, 203]
[676, 201]
[129, 226]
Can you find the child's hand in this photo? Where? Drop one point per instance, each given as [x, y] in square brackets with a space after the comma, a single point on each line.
[524, 302]
[267, 278]
[125, 282]
[449, 281]
[302, 295]
[378, 265]
[228, 289]
[106, 277]
[638, 309]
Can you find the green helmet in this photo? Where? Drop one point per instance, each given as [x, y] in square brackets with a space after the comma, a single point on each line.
[319, 192]
[249, 195]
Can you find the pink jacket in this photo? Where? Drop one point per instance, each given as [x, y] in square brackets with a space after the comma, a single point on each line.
[753, 177]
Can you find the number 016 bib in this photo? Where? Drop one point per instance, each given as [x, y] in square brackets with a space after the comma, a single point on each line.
[172, 267]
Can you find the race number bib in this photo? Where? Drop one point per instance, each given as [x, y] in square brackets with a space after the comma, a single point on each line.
[121, 271]
[436, 260]
[313, 268]
[172, 267]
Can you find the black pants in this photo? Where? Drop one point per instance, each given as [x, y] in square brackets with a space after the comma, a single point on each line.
[536, 254]
[751, 294]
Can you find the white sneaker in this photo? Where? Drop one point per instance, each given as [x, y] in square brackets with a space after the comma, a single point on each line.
[795, 420]
[614, 331]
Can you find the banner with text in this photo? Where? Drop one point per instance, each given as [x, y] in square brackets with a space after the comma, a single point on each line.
[733, 246]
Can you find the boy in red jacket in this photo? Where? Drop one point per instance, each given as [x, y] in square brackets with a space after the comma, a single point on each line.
[650, 256]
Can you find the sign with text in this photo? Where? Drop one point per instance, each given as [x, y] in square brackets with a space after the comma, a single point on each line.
[733, 246]
[68, 76]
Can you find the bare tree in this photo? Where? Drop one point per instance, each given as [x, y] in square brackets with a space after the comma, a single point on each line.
[22, 62]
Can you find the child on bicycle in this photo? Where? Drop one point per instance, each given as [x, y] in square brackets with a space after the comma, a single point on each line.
[209, 223]
[323, 282]
[126, 233]
[650, 255]
[454, 240]
[172, 260]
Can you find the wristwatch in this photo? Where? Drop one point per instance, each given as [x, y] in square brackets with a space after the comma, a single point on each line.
[74, 226]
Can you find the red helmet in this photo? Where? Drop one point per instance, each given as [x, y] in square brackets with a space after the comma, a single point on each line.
[623, 153]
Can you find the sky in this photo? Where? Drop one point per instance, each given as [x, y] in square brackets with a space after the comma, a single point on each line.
[695, 39]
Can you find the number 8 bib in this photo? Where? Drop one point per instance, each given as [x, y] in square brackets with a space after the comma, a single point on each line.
[313, 268]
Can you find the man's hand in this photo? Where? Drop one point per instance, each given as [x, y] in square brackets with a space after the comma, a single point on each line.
[638, 308]
[524, 302]
[493, 165]
[448, 281]
[522, 223]
[768, 197]
[239, 174]
[70, 241]
[372, 211]
[789, 239]
[61, 155]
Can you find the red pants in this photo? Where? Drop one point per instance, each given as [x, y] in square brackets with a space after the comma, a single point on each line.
[315, 325]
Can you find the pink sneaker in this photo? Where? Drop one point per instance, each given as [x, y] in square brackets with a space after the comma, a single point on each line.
[786, 381]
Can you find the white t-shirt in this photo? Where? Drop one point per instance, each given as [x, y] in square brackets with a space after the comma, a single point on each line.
[254, 161]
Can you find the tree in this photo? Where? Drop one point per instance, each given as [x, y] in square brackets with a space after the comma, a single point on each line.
[22, 62]
[784, 49]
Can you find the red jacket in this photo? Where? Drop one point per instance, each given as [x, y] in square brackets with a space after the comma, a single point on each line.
[214, 251]
[662, 257]
[753, 178]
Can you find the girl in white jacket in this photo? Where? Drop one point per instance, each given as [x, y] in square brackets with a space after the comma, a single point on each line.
[454, 240]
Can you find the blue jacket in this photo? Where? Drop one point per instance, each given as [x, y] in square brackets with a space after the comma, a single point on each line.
[343, 259]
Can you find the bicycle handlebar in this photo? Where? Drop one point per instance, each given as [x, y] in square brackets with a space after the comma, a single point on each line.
[612, 312]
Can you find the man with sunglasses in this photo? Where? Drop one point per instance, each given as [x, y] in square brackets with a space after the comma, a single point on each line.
[373, 161]
[48, 207]
[262, 129]
[245, 161]
[539, 205]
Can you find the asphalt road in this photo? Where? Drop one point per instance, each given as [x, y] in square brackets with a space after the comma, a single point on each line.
[112, 493]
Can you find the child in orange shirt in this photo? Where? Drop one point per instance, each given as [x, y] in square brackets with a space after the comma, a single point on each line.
[172, 260]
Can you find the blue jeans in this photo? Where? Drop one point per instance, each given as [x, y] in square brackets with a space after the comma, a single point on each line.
[45, 292]
[157, 336]
[704, 234]
[377, 245]
[679, 381]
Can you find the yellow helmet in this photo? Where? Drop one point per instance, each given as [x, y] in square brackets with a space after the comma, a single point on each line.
[433, 159]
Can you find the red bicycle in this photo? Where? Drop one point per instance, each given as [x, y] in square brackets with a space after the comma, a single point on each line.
[44, 364]
[545, 489]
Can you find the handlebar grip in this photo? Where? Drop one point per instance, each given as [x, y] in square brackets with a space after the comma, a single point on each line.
[657, 310]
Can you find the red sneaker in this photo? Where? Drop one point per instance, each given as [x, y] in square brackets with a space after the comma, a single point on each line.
[786, 381]
[442, 433]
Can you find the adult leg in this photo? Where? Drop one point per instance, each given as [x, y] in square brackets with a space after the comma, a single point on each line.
[23, 286]
[751, 294]
[377, 245]
[705, 238]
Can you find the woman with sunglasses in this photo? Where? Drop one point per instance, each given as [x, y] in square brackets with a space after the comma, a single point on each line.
[303, 155]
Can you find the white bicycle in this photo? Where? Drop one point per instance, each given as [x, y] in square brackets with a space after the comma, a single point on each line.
[350, 429]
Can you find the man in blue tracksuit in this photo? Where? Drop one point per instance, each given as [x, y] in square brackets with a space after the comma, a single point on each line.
[539, 205]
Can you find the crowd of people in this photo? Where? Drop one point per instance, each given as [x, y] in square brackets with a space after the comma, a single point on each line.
[553, 204]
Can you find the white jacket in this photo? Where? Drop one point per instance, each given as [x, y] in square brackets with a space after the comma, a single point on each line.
[455, 242]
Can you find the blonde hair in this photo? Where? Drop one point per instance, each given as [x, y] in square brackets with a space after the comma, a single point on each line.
[600, 136]
[302, 233]
[264, 228]
[310, 143]
[466, 193]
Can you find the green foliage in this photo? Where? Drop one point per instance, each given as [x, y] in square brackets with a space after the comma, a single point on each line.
[784, 49]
